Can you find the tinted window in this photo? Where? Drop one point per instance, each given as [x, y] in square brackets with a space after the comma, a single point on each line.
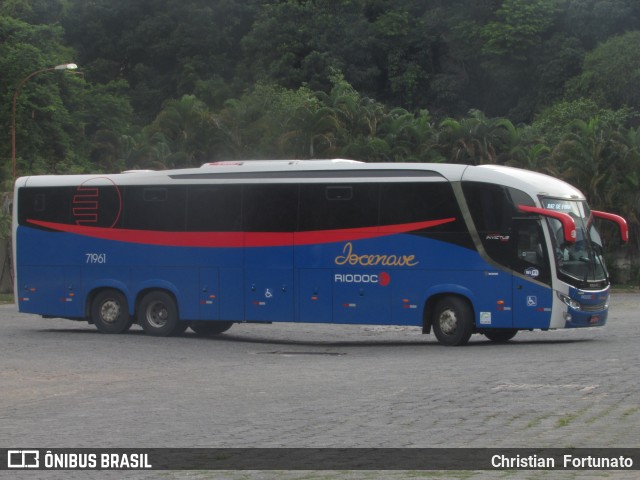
[417, 202]
[50, 204]
[88, 205]
[493, 209]
[531, 251]
[214, 208]
[155, 208]
[270, 208]
[490, 207]
[328, 207]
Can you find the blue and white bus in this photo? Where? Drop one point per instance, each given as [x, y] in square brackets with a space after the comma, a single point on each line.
[455, 249]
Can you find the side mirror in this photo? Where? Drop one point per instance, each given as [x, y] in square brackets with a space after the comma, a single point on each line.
[568, 224]
[610, 217]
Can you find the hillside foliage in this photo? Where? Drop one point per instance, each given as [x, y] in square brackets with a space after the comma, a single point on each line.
[547, 85]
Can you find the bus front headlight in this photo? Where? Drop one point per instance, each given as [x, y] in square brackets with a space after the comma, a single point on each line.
[570, 302]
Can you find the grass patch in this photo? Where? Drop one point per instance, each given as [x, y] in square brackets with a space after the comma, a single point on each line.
[569, 418]
[629, 412]
[6, 298]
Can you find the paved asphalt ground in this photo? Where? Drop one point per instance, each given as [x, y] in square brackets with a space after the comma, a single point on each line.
[63, 384]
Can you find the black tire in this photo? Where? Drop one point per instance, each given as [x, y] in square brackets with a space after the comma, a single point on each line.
[452, 321]
[110, 312]
[158, 314]
[205, 327]
[500, 335]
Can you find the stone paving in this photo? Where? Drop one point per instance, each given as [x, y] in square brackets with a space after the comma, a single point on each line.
[64, 384]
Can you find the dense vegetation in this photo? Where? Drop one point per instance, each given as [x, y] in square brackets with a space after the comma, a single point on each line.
[549, 85]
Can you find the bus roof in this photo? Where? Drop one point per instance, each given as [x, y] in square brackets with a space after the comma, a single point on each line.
[312, 170]
[534, 183]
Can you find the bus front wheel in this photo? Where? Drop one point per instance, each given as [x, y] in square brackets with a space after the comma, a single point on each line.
[110, 312]
[158, 314]
[452, 321]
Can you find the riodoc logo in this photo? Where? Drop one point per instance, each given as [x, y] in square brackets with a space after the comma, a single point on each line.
[23, 459]
[383, 278]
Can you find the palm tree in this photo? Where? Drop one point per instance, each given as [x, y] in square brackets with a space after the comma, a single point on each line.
[475, 139]
[186, 124]
[312, 129]
[588, 157]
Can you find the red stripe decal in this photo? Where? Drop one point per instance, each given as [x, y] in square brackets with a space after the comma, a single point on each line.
[237, 239]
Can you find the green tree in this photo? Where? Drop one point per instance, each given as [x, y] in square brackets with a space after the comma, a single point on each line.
[186, 125]
[252, 125]
[554, 122]
[594, 21]
[163, 48]
[621, 194]
[410, 137]
[44, 126]
[102, 114]
[475, 139]
[589, 157]
[519, 27]
[611, 73]
[34, 12]
[311, 132]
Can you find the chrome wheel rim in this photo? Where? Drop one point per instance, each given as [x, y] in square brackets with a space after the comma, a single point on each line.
[157, 315]
[448, 322]
[110, 311]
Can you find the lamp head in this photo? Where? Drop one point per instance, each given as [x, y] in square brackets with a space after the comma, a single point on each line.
[66, 66]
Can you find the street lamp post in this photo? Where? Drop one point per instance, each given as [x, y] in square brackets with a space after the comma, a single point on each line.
[64, 66]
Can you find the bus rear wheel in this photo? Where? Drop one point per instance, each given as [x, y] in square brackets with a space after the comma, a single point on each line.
[110, 312]
[158, 314]
[453, 321]
[204, 327]
[500, 335]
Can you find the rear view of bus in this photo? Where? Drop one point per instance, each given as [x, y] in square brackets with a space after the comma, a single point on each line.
[455, 250]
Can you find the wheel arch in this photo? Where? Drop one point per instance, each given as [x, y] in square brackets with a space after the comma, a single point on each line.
[434, 295]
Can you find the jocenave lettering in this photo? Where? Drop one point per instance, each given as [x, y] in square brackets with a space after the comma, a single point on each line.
[348, 257]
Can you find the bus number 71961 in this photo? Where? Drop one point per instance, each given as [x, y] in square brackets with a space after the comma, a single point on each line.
[96, 258]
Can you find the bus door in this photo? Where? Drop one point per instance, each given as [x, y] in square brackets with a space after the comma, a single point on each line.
[269, 284]
[270, 219]
[532, 293]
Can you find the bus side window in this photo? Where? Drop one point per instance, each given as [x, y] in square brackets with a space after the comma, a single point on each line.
[493, 208]
[214, 208]
[529, 247]
[49, 204]
[327, 207]
[155, 208]
[492, 213]
[531, 257]
[270, 208]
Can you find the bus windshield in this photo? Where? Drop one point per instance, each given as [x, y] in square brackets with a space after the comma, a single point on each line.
[581, 261]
